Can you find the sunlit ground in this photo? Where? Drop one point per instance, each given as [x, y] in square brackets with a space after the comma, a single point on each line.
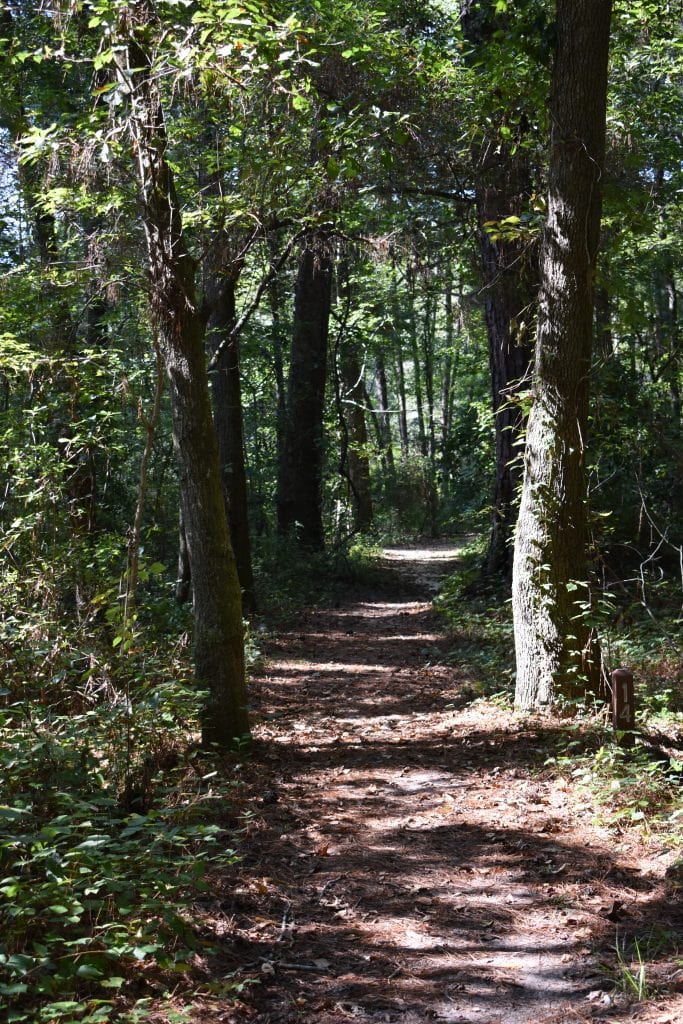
[381, 608]
[432, 555]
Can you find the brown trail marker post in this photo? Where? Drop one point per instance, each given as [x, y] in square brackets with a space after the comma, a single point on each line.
[623, 705]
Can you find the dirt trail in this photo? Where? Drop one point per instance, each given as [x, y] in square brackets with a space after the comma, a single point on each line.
[410, 861]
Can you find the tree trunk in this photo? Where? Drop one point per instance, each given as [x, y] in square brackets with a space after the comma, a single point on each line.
[503, 189]
[428, 346]
[603, 323]
[226, 392]
[400, 372]
[402, 400]
[556, 649]
[299, 503]
[667, 337]
[183, 583]
[417, 373]
[276, 303]
[384, 423]
[218, 632]
[447, 376]
[357, 438]
[508, 313]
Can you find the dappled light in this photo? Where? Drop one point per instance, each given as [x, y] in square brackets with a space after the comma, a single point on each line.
[415, 861]
[341, 512]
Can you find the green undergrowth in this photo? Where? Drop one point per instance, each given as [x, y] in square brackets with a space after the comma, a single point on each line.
[624, 786]
[100, 861]
[290, 580]
[637, 785]
[113, 824]
[478, 616]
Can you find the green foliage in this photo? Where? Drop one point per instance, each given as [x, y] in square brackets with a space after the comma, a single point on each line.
[637, 786]
[628, 786]
[382, 124]
[108, 832]
[479, 620]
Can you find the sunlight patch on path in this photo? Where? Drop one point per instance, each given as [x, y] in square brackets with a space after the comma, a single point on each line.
[379, 609]
[432, 555]
[302, 666]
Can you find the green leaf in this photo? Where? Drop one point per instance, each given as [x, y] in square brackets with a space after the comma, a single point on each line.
[12, 813]
[65, 1005]
[88, 971]
[102, 59]
[140, 952]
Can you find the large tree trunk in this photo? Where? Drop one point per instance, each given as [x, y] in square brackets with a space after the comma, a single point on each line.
[299, 503]
[218, 632]
[556, 650]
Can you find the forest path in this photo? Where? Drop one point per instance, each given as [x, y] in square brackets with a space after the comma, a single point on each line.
[410, 860]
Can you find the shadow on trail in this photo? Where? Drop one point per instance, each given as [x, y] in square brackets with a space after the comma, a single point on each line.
[408, 866]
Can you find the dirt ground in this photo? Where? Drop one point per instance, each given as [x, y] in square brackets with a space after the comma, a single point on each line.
[409, 859]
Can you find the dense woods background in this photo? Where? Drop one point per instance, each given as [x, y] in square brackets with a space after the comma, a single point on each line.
[270, 296]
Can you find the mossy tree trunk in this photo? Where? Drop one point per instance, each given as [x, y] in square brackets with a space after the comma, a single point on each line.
[226, 392]
[557, 652]
[218, 629]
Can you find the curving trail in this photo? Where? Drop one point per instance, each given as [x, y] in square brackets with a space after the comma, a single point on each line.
[410, 859]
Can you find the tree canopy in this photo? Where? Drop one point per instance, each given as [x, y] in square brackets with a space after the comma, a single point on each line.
[272, 280]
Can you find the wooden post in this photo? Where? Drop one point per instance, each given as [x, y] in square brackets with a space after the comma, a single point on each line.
[623, 705]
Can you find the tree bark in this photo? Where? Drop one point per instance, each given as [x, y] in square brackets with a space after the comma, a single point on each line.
[417, 371]
[503, 189]
[218, 632]
[299, 502]
[557, 652]
[386, 448]
[226, 392]
[357, 438]
[276, 303]
[509, 298]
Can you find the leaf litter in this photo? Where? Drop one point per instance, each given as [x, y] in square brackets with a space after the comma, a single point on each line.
[406, 857]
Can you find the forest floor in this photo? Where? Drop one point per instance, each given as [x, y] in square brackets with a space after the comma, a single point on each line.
[408, 857]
